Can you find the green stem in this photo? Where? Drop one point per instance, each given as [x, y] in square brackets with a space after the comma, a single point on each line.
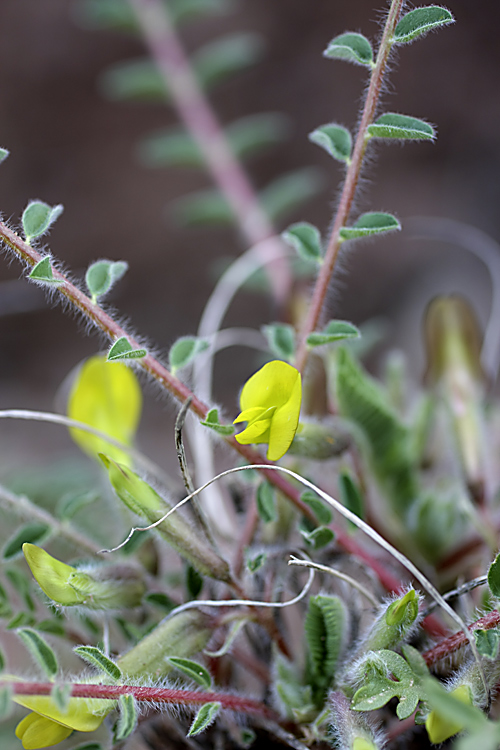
[350, 185]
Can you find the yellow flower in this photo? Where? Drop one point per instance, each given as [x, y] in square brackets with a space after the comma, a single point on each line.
[46, 725]
[439, 728]
[270, 403]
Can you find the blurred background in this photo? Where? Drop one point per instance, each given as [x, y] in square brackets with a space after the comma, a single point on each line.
[70, 144]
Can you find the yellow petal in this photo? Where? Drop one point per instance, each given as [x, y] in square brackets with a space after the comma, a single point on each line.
[249, 415]
[270, 386]
[257, 432]
[84, 715]
[440, 729]
[36, 731]
[284, 423]
[107, 396]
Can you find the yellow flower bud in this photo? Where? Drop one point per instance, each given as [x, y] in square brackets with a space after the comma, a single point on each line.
[439, 728]
[52, 576]
[361, 743]
[270, 403]
[36, 731]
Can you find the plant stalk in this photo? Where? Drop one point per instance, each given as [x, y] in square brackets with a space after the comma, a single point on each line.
[318, 297]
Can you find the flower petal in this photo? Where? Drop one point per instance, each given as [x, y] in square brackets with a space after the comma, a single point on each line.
[85, 715]
[270, 386]
[36, 731]
[249, 415]
[284, 423]
[257, 432]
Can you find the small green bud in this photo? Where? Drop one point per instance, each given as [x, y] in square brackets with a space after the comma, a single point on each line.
[105, 588]
[320, 440]
[361, 743]
[403, 609]
[180, 636]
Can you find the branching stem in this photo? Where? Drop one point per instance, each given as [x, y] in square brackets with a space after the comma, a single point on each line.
[350, 185]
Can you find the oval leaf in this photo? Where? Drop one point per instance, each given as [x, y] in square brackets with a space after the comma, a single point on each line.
[350, 495]
[318, 506]
[227, 55]
[487, 642]
[61, 694]
[5, 702]
[96, 658]
[40, 650]
[419, 21]
[352, 47]
[183, 352]
[306, 240]
[127, 720]
[42, 271]
[107, 396]
[122, 349]
[286, 193]
[212, 421]
[336, 330]
[369, 224]
[38, 217]
[193, 670]
[265, 502]
[102, 275]
[281, 339]
[494, 577]
[402, 127]
[205, 716]
[335, 139]
[3, 154]
[319, 537]
[31, 532]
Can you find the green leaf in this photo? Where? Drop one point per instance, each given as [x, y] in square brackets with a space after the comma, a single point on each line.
[419, 21]
[252, 134]
[42, 272]
[127, 720]
[31, 532]
[494, 577]
[256, 563]
[193, 670]
[3, 154]
[137, 80]
[361, 399]
[194, 581]
[107, 396]
[40, 650]
[69, 505]
[38, 217]
[487, 642]
[52, 627]
[281, 340]
[402, 127]
[102, 275]
[335, 140]
[22, 585]
[5, 608]
[352, 47]
[335, 330]
[94, 656]
[5, 702]
[227, 55]
[184, 351]
[61, 694]
[370, 224]
[324, 631]
[320, 509]
[205, 716]
[212, 421]
[266, 506]
[161, 600]
[182, 11]
[350, 495]
[415, 660]
[122, 349]
[231, 637]
[119, 16]
[287, 193]
[21, 620]
[319, 537]
[89, 745]
[305, 240]
[201, 208]
[2, 661]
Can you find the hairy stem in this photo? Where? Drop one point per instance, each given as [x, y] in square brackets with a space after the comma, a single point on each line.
[350, 185]
[195, 111]
[158, 695]
[457, 640]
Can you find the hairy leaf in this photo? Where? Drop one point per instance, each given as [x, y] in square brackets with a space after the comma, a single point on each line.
[352, 47]
[420, 21]
[94, 656]
[281, 339]
[193, 670]
[305, 240]
[40, 650]
[205, 716]
[370, 224]
[335, 140]
[402, 127]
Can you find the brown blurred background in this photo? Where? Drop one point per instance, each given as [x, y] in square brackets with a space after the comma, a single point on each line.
[69, 145]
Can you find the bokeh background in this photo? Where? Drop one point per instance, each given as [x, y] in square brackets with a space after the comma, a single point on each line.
[71, 145]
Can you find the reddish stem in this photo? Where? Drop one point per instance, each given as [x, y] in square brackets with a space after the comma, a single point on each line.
[158, 695]
[457, 640]
[350, 185]
[202, 124]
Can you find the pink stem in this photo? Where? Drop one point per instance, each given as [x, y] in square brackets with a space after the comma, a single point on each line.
[457, 640]
[202, 124]
[350, 185]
